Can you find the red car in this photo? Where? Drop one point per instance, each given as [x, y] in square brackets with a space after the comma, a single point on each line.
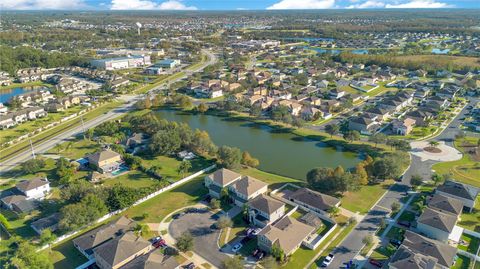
[160, 243]
[376, 263]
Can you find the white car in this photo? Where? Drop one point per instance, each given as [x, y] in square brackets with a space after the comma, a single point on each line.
[236, 247]
[327, 260]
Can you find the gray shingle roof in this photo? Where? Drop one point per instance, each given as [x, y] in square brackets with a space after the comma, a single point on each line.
[438, 219]
[314, 199]
[265, 204]
[121, 248]
[459, 189]
[447, 204]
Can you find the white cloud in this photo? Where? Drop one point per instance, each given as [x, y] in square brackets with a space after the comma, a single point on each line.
[303, 4]
[368, 4]
[148, 4]
[420, 4]
[42, 4]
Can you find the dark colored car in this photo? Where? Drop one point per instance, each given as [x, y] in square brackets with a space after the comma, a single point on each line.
[395, 242]
[376, 263]
[189, 266]
[404, 223]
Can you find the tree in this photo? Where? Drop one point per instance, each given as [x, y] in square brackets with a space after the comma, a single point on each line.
[33, 166]
[352, 136]
[214, 204]
[201, 144]
[334, 211]
[362, 174]
[27, 257]
[224, 222]
[416, 181]
[89, 133]
[47, 237]
[395, 206]
[248, 160]
[147, 103]
[185, 242]
[326, 180]
[75, 216]
[141, 229]
[165, 142]
[64, 170]
[120, 196]
[278, 252]
[437, 179]
[332, 129]
[382, 224]
[232, 263]
[202, 108]
[229, 157]
[434, 143]
[367, 240]
[377, 138]
[184, 167]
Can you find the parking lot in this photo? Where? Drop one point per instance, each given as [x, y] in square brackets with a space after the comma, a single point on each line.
[205, 238]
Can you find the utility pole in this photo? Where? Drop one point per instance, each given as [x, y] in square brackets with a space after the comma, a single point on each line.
[31, 147]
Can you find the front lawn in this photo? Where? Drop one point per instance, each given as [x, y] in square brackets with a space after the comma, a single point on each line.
[471, 243]
[471, 220]
[407, 216]
[396, 233]
[358, 201]
[462, 262]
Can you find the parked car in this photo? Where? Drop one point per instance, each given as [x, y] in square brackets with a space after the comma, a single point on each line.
[255, 252]
[256, 231]
[260, 255]
[376, 263]
[189, 266]
[405, 223]
[160, 243]
[237, 247]
[395, 242]
[326, 262]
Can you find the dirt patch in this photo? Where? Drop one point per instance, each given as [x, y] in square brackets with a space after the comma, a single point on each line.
[432, 149]
[472, 150]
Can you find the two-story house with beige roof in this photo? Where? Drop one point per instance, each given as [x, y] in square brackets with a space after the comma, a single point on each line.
[246, 188]
[105, 161]
[287, 233]
[220, 179]
[264, 210]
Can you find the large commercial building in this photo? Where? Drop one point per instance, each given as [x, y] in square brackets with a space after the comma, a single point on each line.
[122, 62]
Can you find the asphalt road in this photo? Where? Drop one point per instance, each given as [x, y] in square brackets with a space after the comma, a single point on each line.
[43, 147]
[352, 244]
[205, 238]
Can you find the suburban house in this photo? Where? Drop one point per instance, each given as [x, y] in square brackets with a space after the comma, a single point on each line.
[6, 121]
[136, 140]
[50, 222]
[121, 250]
[246, 188]
[467, 194]
[445, 203]
[90, 240]
[313, 201]
[437, 224]
[336, 93]
[220, 179]
[264, 210]
[421, 117]
[362, 124]
[418, 251]
[36, 188]
[402, 127]
[287, 233]
[153, 260]
[105, 161]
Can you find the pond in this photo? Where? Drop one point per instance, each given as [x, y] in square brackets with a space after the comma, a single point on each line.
[6, 94]
[279, 152]
[440, 51]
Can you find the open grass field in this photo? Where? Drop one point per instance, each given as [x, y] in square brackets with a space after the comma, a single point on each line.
[29, 84]
[455, 60]
[471, 221]
[357, 202]
[465, 170]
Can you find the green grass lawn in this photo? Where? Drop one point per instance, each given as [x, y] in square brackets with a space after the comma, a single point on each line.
[462, 263]
[274, 181]
[407, 216]
[76, 149]
[134, 179]
[358, 201]
[238, 228]
[472, 243]
[465, 170]
[471, 221]
[396, 233]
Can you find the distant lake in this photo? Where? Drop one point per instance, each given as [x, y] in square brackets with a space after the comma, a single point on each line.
[440, 51]
[336, 51]
[7, 94]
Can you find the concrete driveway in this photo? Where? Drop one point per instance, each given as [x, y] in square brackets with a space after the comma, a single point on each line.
[205, 239]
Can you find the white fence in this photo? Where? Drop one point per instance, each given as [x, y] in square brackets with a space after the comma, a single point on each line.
[466, 253]
[146, 198]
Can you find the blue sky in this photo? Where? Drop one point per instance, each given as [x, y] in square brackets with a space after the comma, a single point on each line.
[230, 4]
